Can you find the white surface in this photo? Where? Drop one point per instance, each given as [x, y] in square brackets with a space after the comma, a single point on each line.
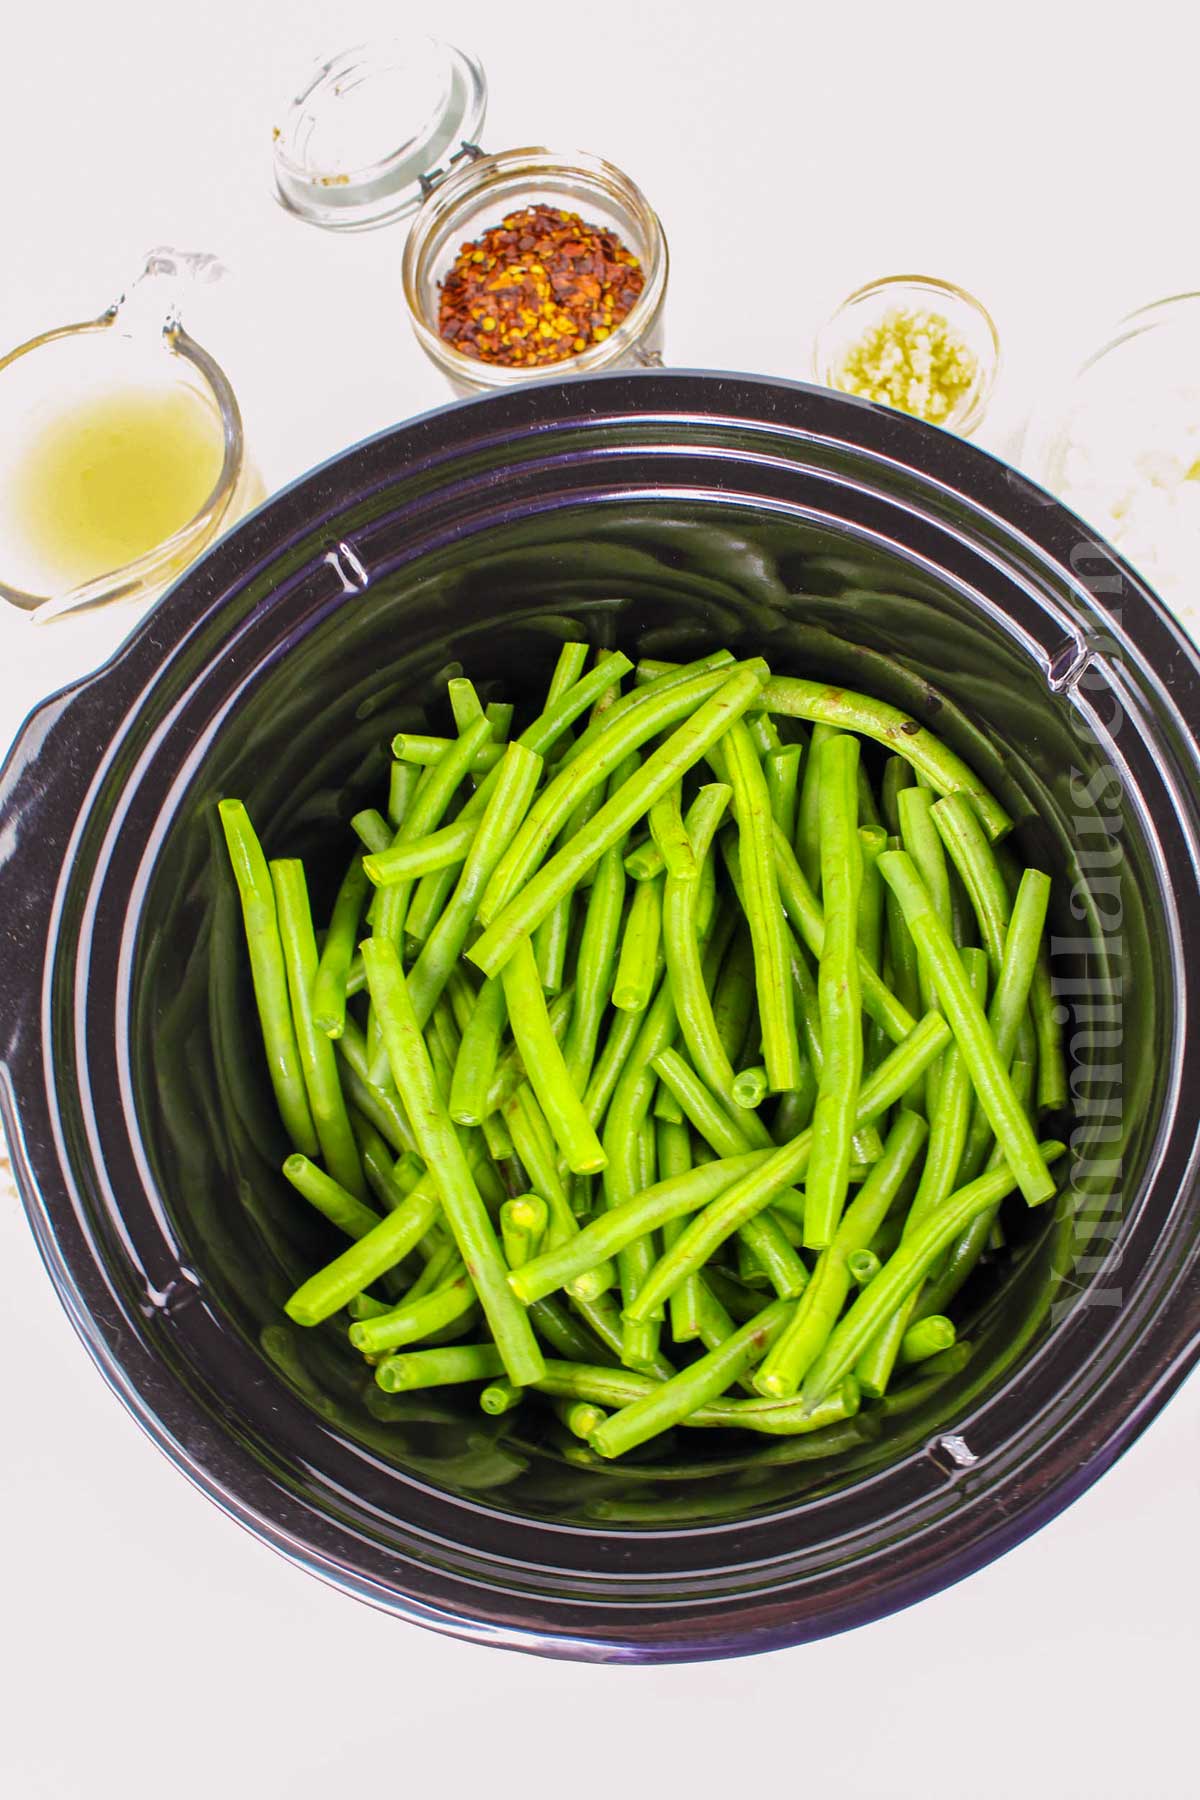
[1043, 156]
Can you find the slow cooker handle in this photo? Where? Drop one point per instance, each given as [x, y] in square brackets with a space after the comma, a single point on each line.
[44, 783]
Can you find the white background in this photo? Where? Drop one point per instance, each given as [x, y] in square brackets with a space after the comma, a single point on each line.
[1043, 156]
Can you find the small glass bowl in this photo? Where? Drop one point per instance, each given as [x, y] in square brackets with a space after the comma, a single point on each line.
[137, 342]
[1119, 443]
[476, 197]
[866, 308]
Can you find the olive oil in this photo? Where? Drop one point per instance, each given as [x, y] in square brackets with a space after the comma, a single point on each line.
[112, 477]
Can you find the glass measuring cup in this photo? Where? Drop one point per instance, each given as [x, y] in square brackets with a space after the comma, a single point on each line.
[137, 346]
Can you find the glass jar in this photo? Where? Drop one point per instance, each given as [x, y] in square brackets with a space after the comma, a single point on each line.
[139, 347]
[476, 196]
[1119, 443]
[390, 130]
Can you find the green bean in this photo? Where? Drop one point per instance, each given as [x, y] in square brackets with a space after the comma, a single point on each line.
[540, 737]
[535, 1147]
[510, 1070]
[594, 964]
[390, 1179]
[379, 1106]
[729, 1134]
[499, 714]
[328, 1196]
[966, 842]
[668, 831]
[730, 1292]
[764, 916]
[611, 1231]
[465, 703]
[581, 1417]
[550, 942]
[944, 1169]
[928, 1337]
[904, 1271]
[1048, 1019]
[868, 809]
[651, 669]
[780, 1168]
[544, 1065]
[919, 838]
[417, 749]
[475, 1064]
[838, 990]
[685, 964]
[685, 746]
[793, 1110]
[386, 1244]
[871, 843]
[428, 807]
[362, 1306]
[515, 784]
[269, 975]
[979, 866]
[500, 1397]
[627, 1172]
[733, 1001]
[439, 1368]
[621, 1387]
[902, 970]
[808, 846]
[443, 1260]
[371, 829]
[523, 1224]
[566, 1335]
[703, 1381]
[863, 1267]
[897, 775]
[666, 1106]
[329, 987]
[637, 963]
[645, 861]
[815, 1316]
[675, 1159]
[413, 1320]
[750, 1087]
[622, 1033]
[960, 1260]
[764, 734]
[569, 666]
[497, 1137]
[989, 1075]
[847, 711]
[356, 978]
[437, 1140]
[436, 851]
[595, 756]
[782, 770]
[804, 912]
[767, 1240]
[402, 785]
[317, 1059]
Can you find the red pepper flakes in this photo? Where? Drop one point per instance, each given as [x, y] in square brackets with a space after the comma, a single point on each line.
[538, 288]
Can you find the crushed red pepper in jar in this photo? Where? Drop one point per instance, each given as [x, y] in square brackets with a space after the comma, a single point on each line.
[538, 288]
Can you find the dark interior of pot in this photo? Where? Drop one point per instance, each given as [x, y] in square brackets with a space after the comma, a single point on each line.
[308, 743]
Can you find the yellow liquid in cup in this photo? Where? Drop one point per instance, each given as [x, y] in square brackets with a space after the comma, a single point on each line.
[113, 477]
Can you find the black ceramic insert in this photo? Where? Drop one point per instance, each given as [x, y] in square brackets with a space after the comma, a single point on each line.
[665, 514]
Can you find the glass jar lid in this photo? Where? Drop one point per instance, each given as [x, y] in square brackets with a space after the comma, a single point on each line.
[373, 129]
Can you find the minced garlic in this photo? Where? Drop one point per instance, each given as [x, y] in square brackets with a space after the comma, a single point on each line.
[911, 360]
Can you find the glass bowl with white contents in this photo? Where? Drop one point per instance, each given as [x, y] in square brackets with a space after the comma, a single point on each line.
[1121, 447]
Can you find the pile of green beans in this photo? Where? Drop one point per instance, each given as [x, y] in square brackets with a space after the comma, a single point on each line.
[665, 1064]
